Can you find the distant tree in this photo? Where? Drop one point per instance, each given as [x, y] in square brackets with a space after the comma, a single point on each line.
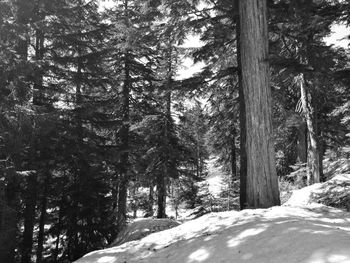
[302, 81]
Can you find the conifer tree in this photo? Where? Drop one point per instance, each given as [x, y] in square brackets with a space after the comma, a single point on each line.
[296, 57]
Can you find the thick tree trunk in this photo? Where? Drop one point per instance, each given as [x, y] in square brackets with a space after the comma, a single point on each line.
[313, 155]
[29, 218]
[262, 184]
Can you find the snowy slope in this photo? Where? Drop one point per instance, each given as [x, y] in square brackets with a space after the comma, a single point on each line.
[311, 234]
[142, 227]
[338, 185]
[298, 232]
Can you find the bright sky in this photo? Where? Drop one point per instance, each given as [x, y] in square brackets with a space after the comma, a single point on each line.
[188, 68]
[339, 37]
[106, 4]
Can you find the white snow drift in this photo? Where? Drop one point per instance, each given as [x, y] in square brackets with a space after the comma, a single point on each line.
[306, 233]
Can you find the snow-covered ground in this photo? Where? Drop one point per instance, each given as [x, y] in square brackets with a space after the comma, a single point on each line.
[333, 187]
[215, 177]
[300, 232]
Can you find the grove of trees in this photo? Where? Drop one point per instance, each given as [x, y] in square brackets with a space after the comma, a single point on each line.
[96, 124]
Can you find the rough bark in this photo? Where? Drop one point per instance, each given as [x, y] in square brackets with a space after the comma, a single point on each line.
[262, 184]
[313, 155]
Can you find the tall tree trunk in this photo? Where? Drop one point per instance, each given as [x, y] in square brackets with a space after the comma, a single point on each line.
[124, 138]
[161, 179]
[38, 99]
[242, 117]
[23, 18]
[72, 231]
[262, 183]
[313, 155]
[124, 159]
[29, 218]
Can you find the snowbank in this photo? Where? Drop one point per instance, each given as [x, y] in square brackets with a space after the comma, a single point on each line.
[311, 234]
[142, 227]
[329, 193]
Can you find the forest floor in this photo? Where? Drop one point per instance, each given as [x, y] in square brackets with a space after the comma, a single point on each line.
[300, 231]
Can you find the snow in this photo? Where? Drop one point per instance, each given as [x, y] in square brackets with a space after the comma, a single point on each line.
[142, 227]
[215, 177]
[303, 196]
[313, 234]
[298, 232]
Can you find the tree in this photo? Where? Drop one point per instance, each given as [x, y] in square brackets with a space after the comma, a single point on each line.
[305, 88]
[262, 184]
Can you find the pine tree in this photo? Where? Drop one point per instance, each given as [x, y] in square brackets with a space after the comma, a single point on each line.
[133, 58]
[297, 54]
